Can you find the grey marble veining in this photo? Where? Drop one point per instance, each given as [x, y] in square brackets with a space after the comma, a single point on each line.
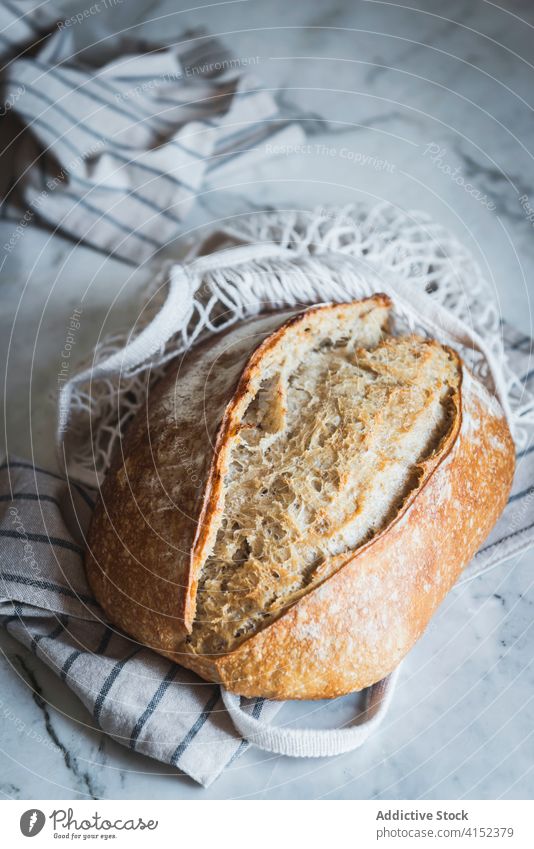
[369, 79]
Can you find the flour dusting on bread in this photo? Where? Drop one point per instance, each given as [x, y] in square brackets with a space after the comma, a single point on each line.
[329, 447]
[296, 500]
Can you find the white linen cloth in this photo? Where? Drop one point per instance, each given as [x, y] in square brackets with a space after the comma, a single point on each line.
[115, 154]
[143, 701]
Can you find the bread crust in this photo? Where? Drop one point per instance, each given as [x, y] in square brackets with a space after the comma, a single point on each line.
[350, 630]
[143, 540]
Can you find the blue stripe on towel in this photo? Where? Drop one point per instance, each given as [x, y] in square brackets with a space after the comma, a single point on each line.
[108, 684]
[124, 159]
[73, 656]
[105, 216]
[17, 615]
[152, 705]
[44, 538]
[30, 496]
[71, 86]
[505, 538]
[514, 346]
[19, 464]
[26, 18]
[193, 731]
[518, 495]
[131, 194]
[256, 713]
[36, 638]
[88, 130]
[525, 452]
[41, 584]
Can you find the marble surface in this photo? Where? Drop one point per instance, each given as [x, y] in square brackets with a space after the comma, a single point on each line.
[426, 89]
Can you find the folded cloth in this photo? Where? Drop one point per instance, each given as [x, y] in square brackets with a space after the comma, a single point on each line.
[145, 702]
[140, 699]
[115, 154]
[24, 22]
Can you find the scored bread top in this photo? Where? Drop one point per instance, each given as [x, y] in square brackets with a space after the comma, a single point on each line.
[296, 499]
[328, 448]
[161, 501]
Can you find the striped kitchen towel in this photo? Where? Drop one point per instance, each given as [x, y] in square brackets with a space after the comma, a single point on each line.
[143, 701]
[115, 154]
[22, 23]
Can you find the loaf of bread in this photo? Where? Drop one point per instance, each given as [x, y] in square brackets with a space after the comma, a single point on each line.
[296, 499]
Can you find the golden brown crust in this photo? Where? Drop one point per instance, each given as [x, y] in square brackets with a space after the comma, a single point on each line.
[212, 504]
[140, 543]
[162, 497]
[377, 606]
[371, 611]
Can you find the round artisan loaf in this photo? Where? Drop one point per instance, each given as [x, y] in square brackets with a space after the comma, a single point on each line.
[295, 500]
